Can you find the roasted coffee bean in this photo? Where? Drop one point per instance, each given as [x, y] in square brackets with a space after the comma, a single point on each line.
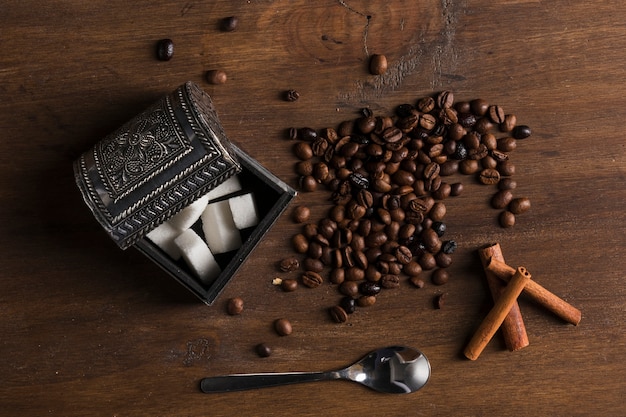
[338, 314]
[378, 64]
[478, 153]
[445, 99]
[507, 144]
[355, 274]
[263, 350]
[308, 183]
[507, 219]
[403, 254]
[519, 205]
[291, 95]
[449, 246]
[390, 281]
[360, 260]
[489, 176]
[312, 279]
[438, 211]
[337, 275]
[366, 300]
[316, 250]
[443, 259]
[489, 162]
[301, 214]
[289, 285]
[300, 243]
[489, 140]
[349, 288]
[304, 168]
[348, 304]
[426, 104]
[506, 168]
[427, 261]
[321, 172]
[320, 146]
[289, 264]
[235, 306]
[313, 265]
[417, 281]
[442, 192]
[469, 166]
[521, 132]
[496, 114]
[369, 288]
[509, 122]
[456, 189]
[431, 240]
[391, 135]
[229, 24]
[507, 184]
[467, 120]
[413, 268]
[439, 228]
[460, 152]
[303, 150]
[359, 181]
[165, 49]
[450, 167]
[216, 77]
[440, 276]
[283, 327]
[479, 106]
[428, 121]
[439, 301]
[501, 199]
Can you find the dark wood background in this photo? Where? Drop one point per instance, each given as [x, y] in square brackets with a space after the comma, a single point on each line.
[89, 330]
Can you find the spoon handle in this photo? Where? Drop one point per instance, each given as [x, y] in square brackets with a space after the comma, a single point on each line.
[241, 382]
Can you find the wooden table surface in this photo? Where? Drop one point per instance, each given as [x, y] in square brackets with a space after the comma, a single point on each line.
[90, 330]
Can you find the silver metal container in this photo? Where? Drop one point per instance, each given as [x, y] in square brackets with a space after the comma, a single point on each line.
[160, 162]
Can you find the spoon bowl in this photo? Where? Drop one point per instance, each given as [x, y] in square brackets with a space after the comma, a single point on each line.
[393, 369]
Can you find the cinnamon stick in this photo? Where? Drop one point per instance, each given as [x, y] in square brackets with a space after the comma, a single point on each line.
[513, 328]
[497, 314]
[536, 292]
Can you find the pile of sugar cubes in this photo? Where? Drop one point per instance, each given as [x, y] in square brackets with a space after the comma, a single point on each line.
[223, 212]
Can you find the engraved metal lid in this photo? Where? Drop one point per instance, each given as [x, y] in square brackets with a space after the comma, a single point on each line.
[156, 164]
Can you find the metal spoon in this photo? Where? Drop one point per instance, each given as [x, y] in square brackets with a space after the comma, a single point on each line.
[394, 369]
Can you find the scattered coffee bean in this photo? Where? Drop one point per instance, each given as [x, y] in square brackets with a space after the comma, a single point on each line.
[289, 285]
[519, 205]
[283, 327]
[521, 132]
[439, 301]
[291, 95]
[165, 50]
[507, 219]
[378, 64]
[501, 199]
[440, 276]
[229, 24]
[489, 176]
[216, 77]
[366, 300]
[301, 214]
[289, 264]
[263, 350]
[338, 314]
[348, 304]
[235, 306]
[312, 279]
[417, 282]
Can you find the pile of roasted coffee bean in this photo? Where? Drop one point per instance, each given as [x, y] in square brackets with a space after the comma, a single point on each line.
[387, 179]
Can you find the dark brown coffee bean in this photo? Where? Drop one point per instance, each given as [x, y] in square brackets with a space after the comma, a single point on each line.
[489, 140]
[450, 167]
[427, 261]
[338, 314]
[509, 122]
[312, 264]
[301, 214]
[478, 153]
[507, 144]
[337, 275]
[438, 211]
[440, 276]
[496, 114]
[229, 24]
[507, 184]
[456, 189]
[300, 243]
[304, 168]
[308, 183]
[391, 135]
[390, 281]
[428, 121]
[355, 274]
[320, 146]
[521, 132]
[366, 300]
[489, 176]
[369, 288]
[479, 106]
[489, 162]
[444, 191]
[403, 254]
[360, 260]
[426, 104]
[348, 304]
[443, 259]
[316, 250]
[412, 269]
[165, 50]
[501, 199]
[283, 327]
[439, 301]
[289, 264]
[417, 281]
[289, 285]
[291, 95]
[216, 77]
[263, 350]
[311, 279]
[235, 306]
[506, 168]
[507, 219]
[303, 150]
[469, 166]
[349, 288]
[378, 64]
[445, 100]
[519, 205]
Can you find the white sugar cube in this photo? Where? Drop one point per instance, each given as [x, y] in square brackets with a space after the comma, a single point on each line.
[231, 185]
[163, 236]
[185, 218]
[198, 256]
[244, 211]
[219, 228]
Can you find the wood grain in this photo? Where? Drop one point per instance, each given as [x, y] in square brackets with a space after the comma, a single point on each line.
[89, 330]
